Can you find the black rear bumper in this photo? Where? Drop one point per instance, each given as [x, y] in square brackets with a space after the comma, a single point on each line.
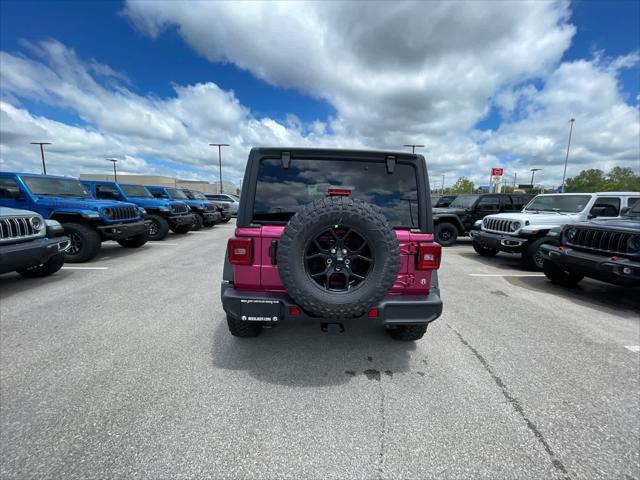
[393, 310]
[620, 271]
[27, 254]
[119, 231]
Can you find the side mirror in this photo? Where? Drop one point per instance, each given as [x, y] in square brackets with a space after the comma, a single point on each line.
[624, 211]
[597, 212]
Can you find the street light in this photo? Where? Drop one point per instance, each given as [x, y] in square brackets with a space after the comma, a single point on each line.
[115, 174]
[413, 146]
[533, 172]
[566, 159]
[44, 167]
[219, 145]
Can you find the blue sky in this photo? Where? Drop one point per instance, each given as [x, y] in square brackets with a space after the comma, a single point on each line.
[327, 108]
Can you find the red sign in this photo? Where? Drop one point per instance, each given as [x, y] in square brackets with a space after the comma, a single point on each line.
[497, 172]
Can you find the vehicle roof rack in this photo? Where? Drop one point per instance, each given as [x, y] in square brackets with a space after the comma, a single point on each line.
[286, 160]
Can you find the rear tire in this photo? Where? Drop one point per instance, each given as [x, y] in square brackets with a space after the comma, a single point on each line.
[446, 234]
[407, 333]
[532, 254]
[50, 267]
[199, 222]
[159, 228]
[226, 220]
[134, 242]
[243, 329]
[85, 242]
[484, 251]
[559, 276]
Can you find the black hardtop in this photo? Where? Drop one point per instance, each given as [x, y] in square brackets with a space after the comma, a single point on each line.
[289, 154]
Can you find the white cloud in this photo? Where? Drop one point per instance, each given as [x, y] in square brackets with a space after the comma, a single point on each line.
[395, 73]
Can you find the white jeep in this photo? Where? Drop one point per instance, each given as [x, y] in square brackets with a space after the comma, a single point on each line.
[526, 231]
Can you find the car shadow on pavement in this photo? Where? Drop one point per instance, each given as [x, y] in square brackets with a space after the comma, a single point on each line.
[13, 283]
[592, 293]
[501, 261]
[300, 355]
[111, 250]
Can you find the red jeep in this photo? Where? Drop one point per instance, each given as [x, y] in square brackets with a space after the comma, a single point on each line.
[333, 236]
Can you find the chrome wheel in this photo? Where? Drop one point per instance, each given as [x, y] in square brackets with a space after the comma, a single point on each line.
[75, 244]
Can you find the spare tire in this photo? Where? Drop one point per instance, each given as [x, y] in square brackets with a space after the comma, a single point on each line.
[338, 257]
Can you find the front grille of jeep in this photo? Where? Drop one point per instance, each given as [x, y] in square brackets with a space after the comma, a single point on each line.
[15, 228]
[179, 208]
[121, 213]
[608, 241]
[497, 224]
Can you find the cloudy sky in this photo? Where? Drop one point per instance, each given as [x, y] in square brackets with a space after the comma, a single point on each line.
[480, 84]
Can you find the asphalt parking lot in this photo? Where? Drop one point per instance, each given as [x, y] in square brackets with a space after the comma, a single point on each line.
[124, 368]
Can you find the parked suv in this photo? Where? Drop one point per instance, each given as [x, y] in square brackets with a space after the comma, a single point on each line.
[526, 232]
[230, 200]
[333, 236]
[29, 244]
[205, 213]
[461, 214]
[221, 207]
[442, 201]
[162, 214]
[604, 249]
[86, 221]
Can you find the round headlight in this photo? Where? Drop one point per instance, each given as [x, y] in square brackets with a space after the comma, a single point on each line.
[36, 223]
[634, 243]
[107, 212]
[571, 234]
[516, 226]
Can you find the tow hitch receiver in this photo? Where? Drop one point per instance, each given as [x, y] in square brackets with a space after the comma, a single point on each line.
[333, 328]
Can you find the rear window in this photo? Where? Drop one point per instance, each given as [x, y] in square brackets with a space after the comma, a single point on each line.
[281, 192]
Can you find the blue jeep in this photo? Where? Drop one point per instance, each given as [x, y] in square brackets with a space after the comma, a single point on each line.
[86, 221]
[206, 213]
[162, 214]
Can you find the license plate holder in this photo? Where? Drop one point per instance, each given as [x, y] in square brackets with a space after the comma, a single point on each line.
[260, 310]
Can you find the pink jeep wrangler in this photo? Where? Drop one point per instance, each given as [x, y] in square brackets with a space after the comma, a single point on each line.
[333, 236]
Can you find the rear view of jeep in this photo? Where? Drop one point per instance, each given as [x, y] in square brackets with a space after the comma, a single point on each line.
[333, 237]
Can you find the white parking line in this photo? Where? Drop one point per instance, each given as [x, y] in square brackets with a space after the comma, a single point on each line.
[163, 243]
[506, 274]
[85, 268]
[633, 348]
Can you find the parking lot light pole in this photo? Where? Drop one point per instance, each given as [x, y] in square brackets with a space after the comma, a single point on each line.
[413, 146]
[115, 173]
[533, 172]
[566, 159]
[219, 145]
[44, 166]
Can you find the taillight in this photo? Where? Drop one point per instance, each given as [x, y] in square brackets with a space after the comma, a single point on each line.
[240, 251]
[428, 257]
[339, 192]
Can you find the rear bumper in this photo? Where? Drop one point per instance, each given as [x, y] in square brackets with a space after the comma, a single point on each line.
[497, 241]
[27, 254]
[393, 310]
[119, 231]
[600, 267]
[181, 220]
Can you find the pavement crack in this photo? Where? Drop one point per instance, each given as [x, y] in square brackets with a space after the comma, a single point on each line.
[515, 403]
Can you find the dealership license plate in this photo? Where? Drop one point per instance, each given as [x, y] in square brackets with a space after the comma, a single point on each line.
[259, 310]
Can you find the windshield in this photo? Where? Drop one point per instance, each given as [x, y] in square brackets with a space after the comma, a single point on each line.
[175, 193]
[137, 191]
[464, 201]
[65, 187]
[281, 192]
[558, 203]
[195, 195]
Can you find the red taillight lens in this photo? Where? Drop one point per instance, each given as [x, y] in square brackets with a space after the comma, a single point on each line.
[373, 313]
[339, 192]
[429, 255]
[240, 251]
[294, 311]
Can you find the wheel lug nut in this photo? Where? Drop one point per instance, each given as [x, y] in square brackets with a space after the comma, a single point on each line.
[344, 251]
[347, 262]
[328, 261]
[333, 250]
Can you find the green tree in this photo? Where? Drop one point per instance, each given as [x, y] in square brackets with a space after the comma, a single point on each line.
[622, 179]
[462, 185]
[586, 181]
